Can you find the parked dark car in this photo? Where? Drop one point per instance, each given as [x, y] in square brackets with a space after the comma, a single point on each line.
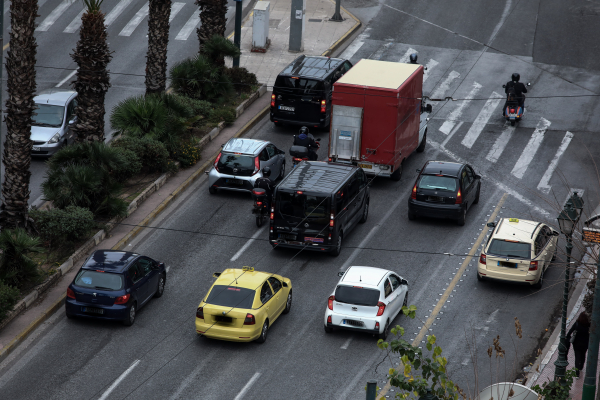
[114, 285]
[302, 91]
[317, 205]
[444, 190]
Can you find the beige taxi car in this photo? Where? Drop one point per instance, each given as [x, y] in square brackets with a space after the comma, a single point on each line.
[518, 251]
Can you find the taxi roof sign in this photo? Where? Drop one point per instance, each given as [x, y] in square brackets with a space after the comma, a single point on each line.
[591, 235]
[248, 269]
[513, 220]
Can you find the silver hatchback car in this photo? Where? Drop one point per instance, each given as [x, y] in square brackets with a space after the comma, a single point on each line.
[240, 163]
[51, 124]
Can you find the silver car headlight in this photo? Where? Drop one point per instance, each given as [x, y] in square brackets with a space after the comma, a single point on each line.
[54, 138]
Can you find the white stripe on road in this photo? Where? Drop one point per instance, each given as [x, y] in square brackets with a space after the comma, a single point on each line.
[189, 27]
[175, 8]
[451, 134]
[481, 120]
[75, 24]
[248, 243]
[455, 115]
[431, 64]
[119, 379]
[53, 16]
[500, 143]
[356, 44]
[544, 184]
[135, 21]
[66, 79]
[193, 376]
[406, 57]
[531, 148]
[115, 12]
[379, 53]
[444, 86]
[346, 344]
[245, 389]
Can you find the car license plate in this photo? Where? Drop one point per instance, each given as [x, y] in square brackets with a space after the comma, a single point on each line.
[234, 181]
[313, 240]
[507, 264]
[367, 166]
[286, 108]
[35, 148]
[223, 319]
[436, 199]
[287, 236]
[92, 310]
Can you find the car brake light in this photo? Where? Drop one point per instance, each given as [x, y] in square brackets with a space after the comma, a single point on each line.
[330, 302]
[200, 313]
[122, 299]
[331, 220]
[70, 293]
[249, 320]
[482, 259]
[533, 266]
[259, 203]
[272, 216]
[217, 161]
[272, 100]
[256, 165]
[413, 195]
[323, 106]
[458, 197]
[381, 309]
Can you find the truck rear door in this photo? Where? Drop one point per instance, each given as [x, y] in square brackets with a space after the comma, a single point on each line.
[346, 128]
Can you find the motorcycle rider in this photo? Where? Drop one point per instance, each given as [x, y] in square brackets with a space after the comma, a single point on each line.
[413, 58]
[305, 139]
[267, 184]
[517, 88]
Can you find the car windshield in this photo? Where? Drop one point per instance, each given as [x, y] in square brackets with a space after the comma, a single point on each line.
[297, 85]
[243, 163]
[357, 295]
[48, 115]
[99, 280]
[438, 183]
[300, 205]
[506, 248]
[231, 296]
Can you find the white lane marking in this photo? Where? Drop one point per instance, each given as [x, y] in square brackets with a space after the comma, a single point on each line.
[248, 243]
[115, 12]
[175, 8]
[119, 380]
[444, 86]
[189, 26]
[481, 120]
[544, 184]
[346, 344]
[191, 377]
[501, 22]
[455, 115]
[500, 143]
[75, 24]
[53, 16]
[168, 268]
[406, 57]
[135, 21]
[66, 79]
[245, 389]
[379, 53]
[531, 148]
[451, 134]
[356, 44]
[431, 64]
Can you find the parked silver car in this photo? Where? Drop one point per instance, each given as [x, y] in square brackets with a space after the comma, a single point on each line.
[240, 163]
[51, 125]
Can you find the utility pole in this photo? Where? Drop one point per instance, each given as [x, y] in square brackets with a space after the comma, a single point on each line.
[589, 384]
[337, 17]
[237, 36]
[1, 89]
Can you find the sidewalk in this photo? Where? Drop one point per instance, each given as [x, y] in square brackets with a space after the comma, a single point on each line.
[323, 37]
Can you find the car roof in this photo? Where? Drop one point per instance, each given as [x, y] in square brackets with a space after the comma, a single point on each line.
[317, 176]
[244, 279]
[57, 98]
[244, 146]
[442, 168]
[110, 260]
[365, 276]
[522, 230]
[312, 66]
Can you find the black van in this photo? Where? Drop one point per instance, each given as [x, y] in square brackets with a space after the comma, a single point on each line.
[317, 204]
[302, 91]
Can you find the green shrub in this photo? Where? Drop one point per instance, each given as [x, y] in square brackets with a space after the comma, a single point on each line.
[217, 48]
[131, 167]
[222, 114]
[9, 296]
[153, 154]
[72, 223]
[243, 80]
[187, 155]
[198, 78]
[16, 266]
[200, 108]
[140, 116]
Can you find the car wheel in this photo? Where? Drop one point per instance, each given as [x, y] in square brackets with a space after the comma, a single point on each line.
[479, 277]
[70, 316]
[412, 216]
[328, 329]
[463, 216]
[477, 197]
[554, 255]
[338, 246]
[397, 174]
[383, 335]
[130, 315]
[512, 123]
[288, 303]
[363, 219]
[282, 173]
[212, 190]
[278, 123]
[161, 286]
[421, 147]
[263, 333]
[540, 282]
[405, 303]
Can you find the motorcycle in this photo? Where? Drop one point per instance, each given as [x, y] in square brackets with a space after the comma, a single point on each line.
[513, 112]
[260, 208]
[300, 153]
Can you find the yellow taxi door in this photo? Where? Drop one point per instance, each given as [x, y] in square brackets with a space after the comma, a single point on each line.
[278, 297]
[268, 301]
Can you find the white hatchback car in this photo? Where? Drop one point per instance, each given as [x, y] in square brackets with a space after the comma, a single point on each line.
[366, 299]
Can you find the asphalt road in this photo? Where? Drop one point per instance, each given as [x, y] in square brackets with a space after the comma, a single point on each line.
[551, 153]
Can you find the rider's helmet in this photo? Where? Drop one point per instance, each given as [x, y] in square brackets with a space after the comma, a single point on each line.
[304, 130]
[516, 77]
[413, 58]
[266, 171]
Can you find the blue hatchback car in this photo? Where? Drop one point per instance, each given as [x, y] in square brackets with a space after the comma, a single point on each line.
[113, 285]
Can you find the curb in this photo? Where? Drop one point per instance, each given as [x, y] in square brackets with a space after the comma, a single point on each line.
[345, 37]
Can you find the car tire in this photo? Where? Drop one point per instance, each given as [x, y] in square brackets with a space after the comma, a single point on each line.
[282, 173]
[421, 147]
[338, 248]
[477, 197]
[412, 216]
[397, 174]
[461, 220]
[288, 303]
[70, 316]
[278, 124]
[540, 282]
[212, 190]
[160, 288]
[479, 277]
[263, 333]
[383, 335]
[365, 214]
[512, 123]
[405, 302]
[554, 255]
[130, 315]
[328, 329]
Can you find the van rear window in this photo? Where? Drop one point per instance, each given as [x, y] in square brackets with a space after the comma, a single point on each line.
[357, 296]
[299, 85]
[302, 205]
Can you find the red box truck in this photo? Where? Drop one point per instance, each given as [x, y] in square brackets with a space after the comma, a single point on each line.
[378, 117]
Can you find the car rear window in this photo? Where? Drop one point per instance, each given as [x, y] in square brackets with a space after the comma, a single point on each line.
[301, 205]
[507, 248]
[357, 295]
[229, 161]
[231, 296]
[298, 85]
[99, 280]
[436, 182]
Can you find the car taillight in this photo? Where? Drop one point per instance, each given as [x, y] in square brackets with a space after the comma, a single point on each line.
[200, 313]
[329, 319]
[272, 100]
[413, 195]
[482, 259]
[122, 299]
[272, 216]
[259, 203]
[533, 266]
[458, 197]
[381, 309]
[512, 110]
[256, 165]
[70, 293]
[249, 320]
[331, 220]
[217, 162]
[330, 302]
[323, 106]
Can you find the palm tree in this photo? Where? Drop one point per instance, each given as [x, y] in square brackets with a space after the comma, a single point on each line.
[20, 67]
[92, 57]
[219, 47]
[213, 19]
[158, 39]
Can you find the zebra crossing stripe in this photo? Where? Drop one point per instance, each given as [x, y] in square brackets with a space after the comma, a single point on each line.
[355, 46]
[455, 115]
[53, 16]
[75, 24]
[135, 21]
[115, 12]
[444, 86]
[406, 57]
[431, 64]
[175, 8]
[531, 148]
[189, 26]
[544, 184]
[379, 53]
[500, 143]
[482, 119]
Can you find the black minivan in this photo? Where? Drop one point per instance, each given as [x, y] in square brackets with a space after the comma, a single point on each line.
[302, 91]
[317, 205]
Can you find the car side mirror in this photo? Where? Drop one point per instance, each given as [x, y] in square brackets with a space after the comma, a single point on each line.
[285, 284]
[428, 108]
[491, 224]
[404, 282]
[216, 274]
[341, 273]
[418, 169]
[477, 176]
[71, 122]
[504, 86]
[555, 233]
[528, 84]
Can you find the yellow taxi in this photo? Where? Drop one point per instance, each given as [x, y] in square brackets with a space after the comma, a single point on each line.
[517, 251]
[242, 304]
